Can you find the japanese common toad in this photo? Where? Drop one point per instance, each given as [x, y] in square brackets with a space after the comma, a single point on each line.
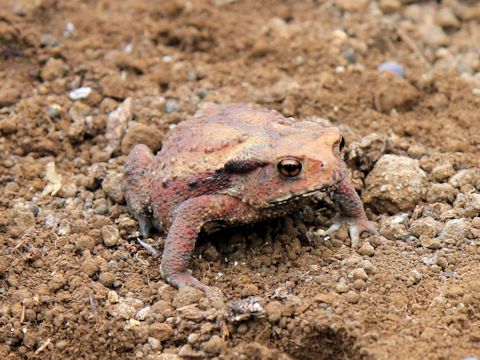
[235, 164]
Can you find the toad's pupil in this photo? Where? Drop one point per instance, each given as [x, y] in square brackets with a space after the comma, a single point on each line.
[290, 167]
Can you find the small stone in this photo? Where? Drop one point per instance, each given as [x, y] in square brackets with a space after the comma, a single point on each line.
[446, 18]
[112, 185]
[441, 193]
[367, 266]
[352, 297]
[57, 282]
[392, 67]
[107, 279]
[390, 6]
[160, 331]
[426, 227]
[213, 346]
[84, 242]
[455, 229]
[80, 93]
[68, 190]
[187, 352]
[471, 205]
[186, 296]
[342, 286]
[90, 267]
[114, 87]
[274, 311]
[441, 173]
[442, 262]
[54, 111]
[395, 184]
[54, 69]
[432, 35]
[431, 243]
[9, 124]
[465, 177]
[392, 229]
[154, 343]
[359, 284]
[8, 96]
[359, 273]
[171, 106]
[366, 249]
[161, 307]
[138, 133]
[352, 5]
[110, 235]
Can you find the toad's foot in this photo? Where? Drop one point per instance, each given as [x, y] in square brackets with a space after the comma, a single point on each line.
[183, 279]
[355, 228]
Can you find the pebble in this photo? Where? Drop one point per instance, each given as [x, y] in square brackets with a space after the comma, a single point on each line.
[110, 235]
[441, 193]
[352, 5]
[431, 243]
[186, 296]
[392, 67]
[57, 282]
[471, 205]
[54, 69]
[465, 177]
[8, 96]
[112, 185]
[90, 267]
[456, 229]
[359, 273]
[160, 331]
[446, 18]
[80, 93]
[274, 311]
[395, 184]
[432, 35]
[54, 111]
[426, 226]
[214, 345]
[171, 106]
[367, 266]
[442, 172]
[366, 249]
[359, 284]
[390, 6]
[352, 297]
[114, 86]
[341, 286]
[107, 279]
[138, 133]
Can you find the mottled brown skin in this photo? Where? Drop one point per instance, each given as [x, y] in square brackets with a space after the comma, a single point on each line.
[224, 165]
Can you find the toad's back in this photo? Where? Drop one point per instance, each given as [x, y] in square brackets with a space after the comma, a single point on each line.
[211, 137]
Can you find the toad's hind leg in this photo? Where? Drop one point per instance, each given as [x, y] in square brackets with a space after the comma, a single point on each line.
[183, 233]
[136, 188]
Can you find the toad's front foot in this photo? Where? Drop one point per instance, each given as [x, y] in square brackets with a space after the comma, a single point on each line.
[355, 228]
[183, 279]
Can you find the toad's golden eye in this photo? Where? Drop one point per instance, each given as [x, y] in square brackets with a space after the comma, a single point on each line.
[289, 167]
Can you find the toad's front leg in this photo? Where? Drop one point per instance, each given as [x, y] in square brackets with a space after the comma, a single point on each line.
[187, 223]
[352, 212]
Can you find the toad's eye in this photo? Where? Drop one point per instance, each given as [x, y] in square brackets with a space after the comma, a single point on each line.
[289, 167]
[339, 144]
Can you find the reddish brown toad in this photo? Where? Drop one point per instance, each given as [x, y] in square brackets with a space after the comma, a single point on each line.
[235, 164]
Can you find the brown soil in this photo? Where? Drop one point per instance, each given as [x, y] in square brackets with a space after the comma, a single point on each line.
[72, 276]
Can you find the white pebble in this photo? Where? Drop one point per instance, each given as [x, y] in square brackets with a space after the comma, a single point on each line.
[80, 93]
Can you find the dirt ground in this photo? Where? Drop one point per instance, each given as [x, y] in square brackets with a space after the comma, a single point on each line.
[75, 282]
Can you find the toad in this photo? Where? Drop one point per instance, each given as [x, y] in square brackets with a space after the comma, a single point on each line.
[235, 164]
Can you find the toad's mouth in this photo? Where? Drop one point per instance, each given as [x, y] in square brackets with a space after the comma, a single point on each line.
[302, 196]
